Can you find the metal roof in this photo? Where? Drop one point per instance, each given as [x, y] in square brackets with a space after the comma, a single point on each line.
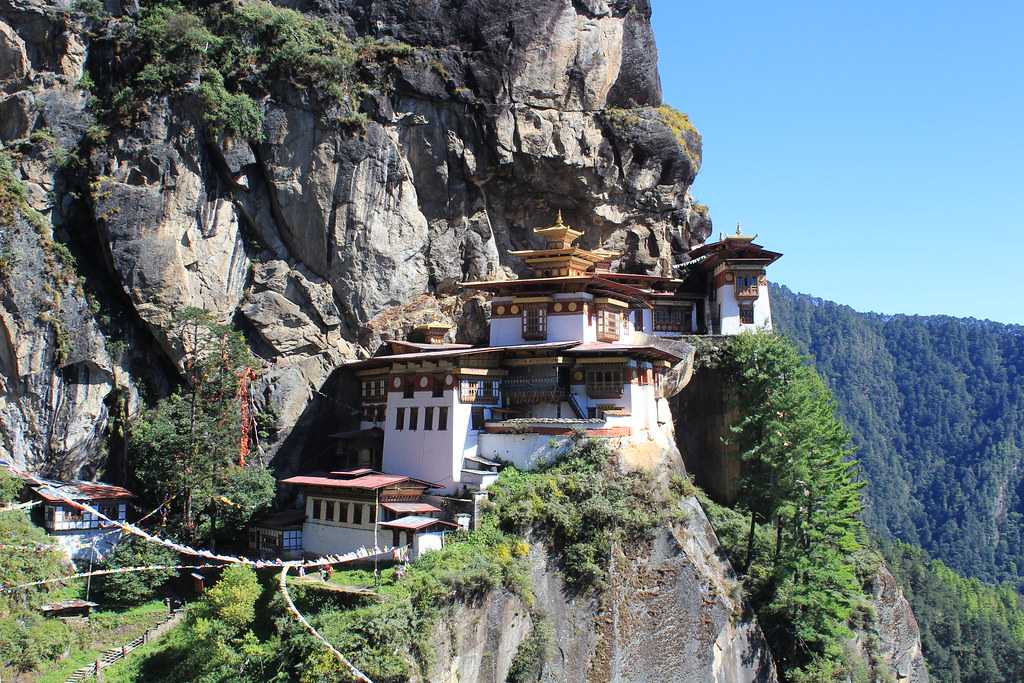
[417, 522]
[57, 491]
[410, 507]
[367, 482]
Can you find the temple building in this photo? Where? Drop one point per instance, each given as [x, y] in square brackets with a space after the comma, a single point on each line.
[575, 348]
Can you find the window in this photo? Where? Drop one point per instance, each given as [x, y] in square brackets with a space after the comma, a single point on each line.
[477, 418]
[442, 418]
[668, 319]
[316, 508]
[357, 518]
[480, 391]
[535, 322]
[638, 320]
[414, 417]
[746, 285]
[372, 517]
[437, 389]
[373, 389]
[343, 513]
[608, 322]
[746, 314]
[329, 510]
[409, 390]
[604, 381]
[400, 419]
[293, 540]
[428, 418]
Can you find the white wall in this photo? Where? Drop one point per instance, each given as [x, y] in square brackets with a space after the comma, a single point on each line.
[426, 542]
[425, 454]
[524, 451]
[81, 546]
[327, 539]
[731, 310]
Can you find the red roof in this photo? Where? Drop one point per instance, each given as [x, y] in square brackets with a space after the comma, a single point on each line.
[366, 482]
[54, 492]
[416, 523]
[410, 508]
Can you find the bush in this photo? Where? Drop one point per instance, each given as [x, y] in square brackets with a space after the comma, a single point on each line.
[29, 641]
[231, 113]
[10, 487]
[580, 505]
[134, 588]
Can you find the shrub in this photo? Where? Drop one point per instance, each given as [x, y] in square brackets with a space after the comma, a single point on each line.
[134, 588]
[226, 112]
[581, 505]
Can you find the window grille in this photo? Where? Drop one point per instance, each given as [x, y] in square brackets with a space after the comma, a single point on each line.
[604, 381]
[608, 323]
[535, 322]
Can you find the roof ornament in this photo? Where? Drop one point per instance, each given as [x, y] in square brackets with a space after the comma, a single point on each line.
[558, 221]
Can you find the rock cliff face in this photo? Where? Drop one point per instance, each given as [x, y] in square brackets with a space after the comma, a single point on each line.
[314, 238]
[670, 615]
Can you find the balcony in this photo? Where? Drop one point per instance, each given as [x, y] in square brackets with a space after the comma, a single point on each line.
[534, 389]
[604, 389]
[747, 293]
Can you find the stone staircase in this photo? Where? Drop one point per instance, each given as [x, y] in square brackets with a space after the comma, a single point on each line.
[94, 671]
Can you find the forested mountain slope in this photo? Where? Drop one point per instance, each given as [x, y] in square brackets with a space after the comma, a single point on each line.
[936, 405]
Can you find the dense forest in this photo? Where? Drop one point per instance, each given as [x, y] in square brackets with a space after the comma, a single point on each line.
[936, 407]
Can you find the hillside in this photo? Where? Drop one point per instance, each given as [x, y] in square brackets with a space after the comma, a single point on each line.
[936, 405]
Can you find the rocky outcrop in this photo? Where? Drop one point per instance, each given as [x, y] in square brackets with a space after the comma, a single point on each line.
[891, 644]
[671, 614]
[316, 238]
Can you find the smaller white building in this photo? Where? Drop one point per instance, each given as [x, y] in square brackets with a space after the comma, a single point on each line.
[82, 535]
[362, 508]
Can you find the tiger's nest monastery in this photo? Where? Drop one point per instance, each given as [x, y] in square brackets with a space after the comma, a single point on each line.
[575, 348]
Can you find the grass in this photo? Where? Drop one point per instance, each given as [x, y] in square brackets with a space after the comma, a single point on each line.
[106, 629]
[130, 669]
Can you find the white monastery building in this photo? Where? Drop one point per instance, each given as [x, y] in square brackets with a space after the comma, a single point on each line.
[575, 349]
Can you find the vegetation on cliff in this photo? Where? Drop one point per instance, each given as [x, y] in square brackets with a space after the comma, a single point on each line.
[230, 55]
[795, 532]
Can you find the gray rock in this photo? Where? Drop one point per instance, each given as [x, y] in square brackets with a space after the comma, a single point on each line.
[14, 64]
[17, 116]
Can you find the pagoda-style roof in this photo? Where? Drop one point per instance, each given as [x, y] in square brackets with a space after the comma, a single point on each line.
[736, 247]
[559, 233]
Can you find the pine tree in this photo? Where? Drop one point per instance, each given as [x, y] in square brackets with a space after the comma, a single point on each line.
[186, 446]
[800, 480]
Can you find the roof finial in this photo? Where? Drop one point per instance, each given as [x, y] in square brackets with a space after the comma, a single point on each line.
[558, 221]
[738, 231]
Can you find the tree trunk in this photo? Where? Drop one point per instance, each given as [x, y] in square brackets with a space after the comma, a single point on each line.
[750, 542]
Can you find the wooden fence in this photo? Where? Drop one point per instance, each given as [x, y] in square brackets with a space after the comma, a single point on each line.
[95, 670]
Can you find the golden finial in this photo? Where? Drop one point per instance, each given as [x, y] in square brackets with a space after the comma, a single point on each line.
[558, 221]
[738, 231]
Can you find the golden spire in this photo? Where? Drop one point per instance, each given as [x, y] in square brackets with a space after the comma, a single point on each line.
[558, 221]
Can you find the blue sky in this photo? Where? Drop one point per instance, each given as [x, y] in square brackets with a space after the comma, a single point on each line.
[879, 145]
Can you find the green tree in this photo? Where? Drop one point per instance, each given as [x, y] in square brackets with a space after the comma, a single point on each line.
[232, 600]
[136, 587]
[10, 487]
[185, 447]
[799, 480]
